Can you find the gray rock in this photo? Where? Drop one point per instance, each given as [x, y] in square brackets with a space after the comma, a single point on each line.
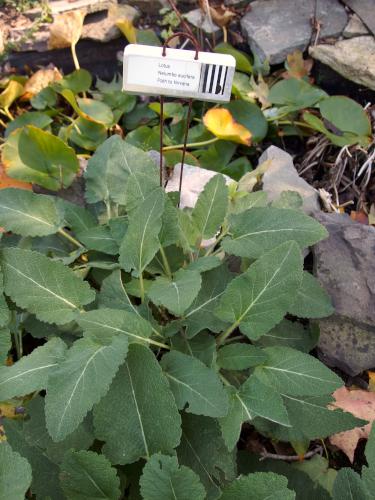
[355, 27]
[353, 58]
[344, 266]
[276, 28]
[365, 10]
[151, 7]
[60, 6]
[281, 175]
[200, 20]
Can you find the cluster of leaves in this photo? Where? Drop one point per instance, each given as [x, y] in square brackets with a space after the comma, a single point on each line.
[158, 332]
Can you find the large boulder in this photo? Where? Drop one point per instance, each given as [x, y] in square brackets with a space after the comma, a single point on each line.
[344, 265]
[353, 58]
[275, 28]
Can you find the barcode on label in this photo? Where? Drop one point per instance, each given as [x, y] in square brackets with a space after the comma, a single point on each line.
[213, 79]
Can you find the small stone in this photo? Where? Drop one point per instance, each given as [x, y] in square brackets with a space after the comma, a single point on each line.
[276, 28]
[355, 27]
[193, 181]
[200, 20]
[353, 58]
[281, 175]
[151, 7]
[344, 267]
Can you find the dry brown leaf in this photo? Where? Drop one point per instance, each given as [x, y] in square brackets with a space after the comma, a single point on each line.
[221, 16]
[297, 66]
[66, 29]
[361, 404]
[39, 80]
[261, 91]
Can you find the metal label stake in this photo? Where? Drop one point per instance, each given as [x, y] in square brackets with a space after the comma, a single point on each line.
[183, 73]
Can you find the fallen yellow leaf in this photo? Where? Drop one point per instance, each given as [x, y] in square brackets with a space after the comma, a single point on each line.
[10, 94]
[40, 80]
[361, 404]
[66, 29]
[127, 29]
[221, 123]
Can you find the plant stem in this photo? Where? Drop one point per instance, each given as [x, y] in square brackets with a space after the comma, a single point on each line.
[292, 122]
[74, 55]
[70, 238]
[222, 337]
[166, 265]
[211, 248]
[192, 144]
[158, 344]
[141, 288]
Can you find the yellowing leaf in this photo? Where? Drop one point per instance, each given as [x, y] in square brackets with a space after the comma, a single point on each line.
[8, 182]
[371, 381]
[361, 404]
[127, 29]
[10, 94]
[296, 66]
[221, 123]
[40, 80]
[260, 91]
[66, 29]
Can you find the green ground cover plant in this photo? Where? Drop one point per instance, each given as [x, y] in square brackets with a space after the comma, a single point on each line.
[157, 334]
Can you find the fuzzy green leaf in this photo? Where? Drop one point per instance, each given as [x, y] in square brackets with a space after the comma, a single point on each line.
[240, 356]
[114, 295]
[15, 474]
[296, 373]
[312, 301]
[259, 486]
[310, 418]
[28, 214]
[141, 241]
[258, 230]
[164, 479]
[44, 287]
[176, 295]
[348, 486]
[170, 229]
[203, 450]
[5, 346]
[200, 314]
[253, 399]
[85, 474]
[290, 334]
[211, 207]
[368, 473]
[31, 372]
[149, 423]
[99, 238]
[195, 385]
[76, 217]
[108, 170]
[80, 382]
[102, 325]
[202, 346]
[259, 298]
[139, 186]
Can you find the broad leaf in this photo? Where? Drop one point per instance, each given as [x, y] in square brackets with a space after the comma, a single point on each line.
[102, 325]
[15, 474]
[291, 334]
[176, 295]
[250, 116]
[200, 314]
[31, 372]
[295, 93]
[33, 155]
[114, 295]
[368, 475]
[99, 238]
[296, 373]
[80, 382]
[85, 474]
[110, 167]
[312, 301]
[253, 399]
[203, 450]
[259, 486]
[211, 207]
[76, 217]
[346, 115]
[44, 287]
[141, 241]
[348, 486]
[194, 385]
[221, 123]
[202, 346]
[258, 230]
[240, 356]
[310, 418]
[259, 298]
[5, 345]
[45, 473]
[148, 424]
[28, 214]
[40, 120]
[163, 479]
[244, 201]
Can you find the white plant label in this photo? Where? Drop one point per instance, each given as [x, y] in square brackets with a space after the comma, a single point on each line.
[178, 74]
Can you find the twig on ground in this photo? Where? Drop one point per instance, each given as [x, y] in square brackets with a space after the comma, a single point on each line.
[291, 458]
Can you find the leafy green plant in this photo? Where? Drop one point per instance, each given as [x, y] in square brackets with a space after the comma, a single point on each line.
[142, 352]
